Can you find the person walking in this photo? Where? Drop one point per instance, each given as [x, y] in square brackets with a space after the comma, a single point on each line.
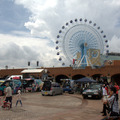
[104, 98]
[111, 85]
[19, 98]
[117, 89]
[8, 94]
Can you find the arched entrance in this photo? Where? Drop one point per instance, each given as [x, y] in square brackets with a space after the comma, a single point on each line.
[76, 77]
[116, 78]
[59, 77]
[96, 77]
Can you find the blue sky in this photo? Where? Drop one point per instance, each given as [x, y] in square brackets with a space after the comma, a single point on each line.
[12, 17]
[28, 28]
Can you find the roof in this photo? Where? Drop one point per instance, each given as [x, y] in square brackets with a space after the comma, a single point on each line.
[32, 71]
[114, 54]
[109, 57]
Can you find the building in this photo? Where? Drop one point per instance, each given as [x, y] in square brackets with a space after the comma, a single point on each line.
[111, 71]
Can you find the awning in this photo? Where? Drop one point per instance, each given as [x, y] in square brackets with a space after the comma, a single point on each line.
[32, 71]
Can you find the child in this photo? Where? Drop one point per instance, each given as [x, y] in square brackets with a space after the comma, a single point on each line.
[19, 98]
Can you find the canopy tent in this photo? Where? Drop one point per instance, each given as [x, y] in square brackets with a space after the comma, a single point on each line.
[32, 73]
[85, 80]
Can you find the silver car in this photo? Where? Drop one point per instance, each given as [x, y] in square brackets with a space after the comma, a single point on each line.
[51, 88]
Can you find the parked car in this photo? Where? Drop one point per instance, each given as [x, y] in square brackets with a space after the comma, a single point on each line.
[51, 88]
[14, 77]
[94, 90]
[14, 84]
[67, 85]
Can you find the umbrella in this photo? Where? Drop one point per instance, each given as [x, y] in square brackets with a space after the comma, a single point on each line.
[85, 80]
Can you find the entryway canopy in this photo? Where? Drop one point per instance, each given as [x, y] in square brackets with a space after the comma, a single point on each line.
[32, 70]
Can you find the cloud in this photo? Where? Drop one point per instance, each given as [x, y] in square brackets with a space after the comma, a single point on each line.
[38, 28]
[16, 51]
[115, 44]
[46, 17]
[64, 10]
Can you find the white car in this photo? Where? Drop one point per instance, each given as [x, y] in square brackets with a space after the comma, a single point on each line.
[51, 88]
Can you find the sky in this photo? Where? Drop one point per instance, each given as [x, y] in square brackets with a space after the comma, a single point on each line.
[28, 28]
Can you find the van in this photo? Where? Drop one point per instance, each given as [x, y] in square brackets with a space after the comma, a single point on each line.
[31, 85]
[15, 77]
[51, 88]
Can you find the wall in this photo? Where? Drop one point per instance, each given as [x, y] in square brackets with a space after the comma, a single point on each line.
[108, 70]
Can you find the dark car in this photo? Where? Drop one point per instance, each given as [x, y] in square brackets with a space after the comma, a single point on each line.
[94, 90]
[67, 85]
[68, 89]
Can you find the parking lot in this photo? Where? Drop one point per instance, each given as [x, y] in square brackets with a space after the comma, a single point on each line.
[59, 107]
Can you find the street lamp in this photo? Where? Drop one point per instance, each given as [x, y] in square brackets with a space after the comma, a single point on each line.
[109, 62]
[45, 74]
[6, 67]
[45, 70]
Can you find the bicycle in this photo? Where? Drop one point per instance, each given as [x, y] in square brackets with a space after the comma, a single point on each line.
[5, 105]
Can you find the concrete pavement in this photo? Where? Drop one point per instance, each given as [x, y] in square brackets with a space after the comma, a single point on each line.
[59, 107]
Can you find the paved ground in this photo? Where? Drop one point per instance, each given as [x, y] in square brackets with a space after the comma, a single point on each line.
[60, 107]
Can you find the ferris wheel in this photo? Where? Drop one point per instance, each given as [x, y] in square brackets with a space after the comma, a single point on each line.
[83, 41]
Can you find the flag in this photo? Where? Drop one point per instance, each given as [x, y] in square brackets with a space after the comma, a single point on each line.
[74, 61]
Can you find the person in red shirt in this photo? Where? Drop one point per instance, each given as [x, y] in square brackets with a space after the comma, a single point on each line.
[117, 89]
[106, 88]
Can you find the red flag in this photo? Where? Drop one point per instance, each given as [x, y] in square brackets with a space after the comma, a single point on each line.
[73, 61]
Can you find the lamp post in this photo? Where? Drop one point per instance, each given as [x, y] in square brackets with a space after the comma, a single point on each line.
[69, 76]
[6, 67]
[45, 74]
[110, 62]
[108, 77]
[53, 76]
[28, 63]
[37, 63]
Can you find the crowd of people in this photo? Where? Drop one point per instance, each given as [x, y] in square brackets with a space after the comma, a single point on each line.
[110, 101]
